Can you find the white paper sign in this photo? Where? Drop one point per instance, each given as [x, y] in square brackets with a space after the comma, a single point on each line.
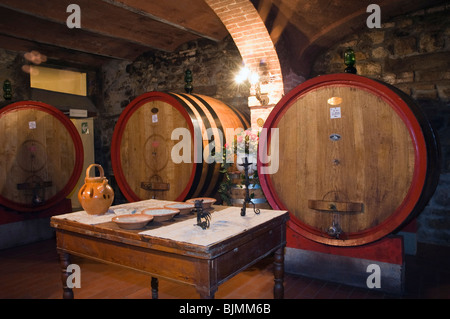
[32, 125]
[78, 113]
[154, 118]
[335, 112]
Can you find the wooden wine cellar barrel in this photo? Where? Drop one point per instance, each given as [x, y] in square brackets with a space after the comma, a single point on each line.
[41, 158]
[357, 159]
[142, 146]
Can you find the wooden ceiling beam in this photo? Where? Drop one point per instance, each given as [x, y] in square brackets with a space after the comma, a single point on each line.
[26, 27]
[76, 58]
[105, 19]
[194, 16]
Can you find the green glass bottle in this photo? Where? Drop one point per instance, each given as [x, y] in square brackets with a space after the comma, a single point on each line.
[188, 87]
[349, 60]
[7, 95]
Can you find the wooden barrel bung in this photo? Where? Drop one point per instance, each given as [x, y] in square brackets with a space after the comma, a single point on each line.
[41, 158]
[357, 159]
[142, 145]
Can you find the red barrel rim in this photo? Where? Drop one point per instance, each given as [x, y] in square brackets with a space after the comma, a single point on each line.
[414, 128]
[134, 105]
[79, 154]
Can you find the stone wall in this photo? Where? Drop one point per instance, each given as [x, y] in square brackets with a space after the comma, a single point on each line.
[11, 69]
[412, 53]
[213, 66]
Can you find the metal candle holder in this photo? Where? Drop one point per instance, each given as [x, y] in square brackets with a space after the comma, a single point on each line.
[203, 217]
[247, 198]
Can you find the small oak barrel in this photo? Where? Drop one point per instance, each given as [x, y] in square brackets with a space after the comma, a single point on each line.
[238, 192]
[146, 138]
[41, 158]
[357, 159]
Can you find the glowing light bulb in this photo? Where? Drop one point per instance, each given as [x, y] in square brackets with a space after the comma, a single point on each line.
[253, 78]
[242, 75]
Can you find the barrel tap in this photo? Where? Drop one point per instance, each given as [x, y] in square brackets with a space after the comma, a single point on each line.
[335, 229]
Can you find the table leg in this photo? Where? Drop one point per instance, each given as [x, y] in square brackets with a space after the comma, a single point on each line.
[206, 294]
[278, 272]
[154, 288]
[64, 259]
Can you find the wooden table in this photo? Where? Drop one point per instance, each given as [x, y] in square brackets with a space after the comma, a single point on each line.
[178, 249]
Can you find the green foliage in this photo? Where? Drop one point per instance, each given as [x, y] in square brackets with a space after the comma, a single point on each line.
[225, 187]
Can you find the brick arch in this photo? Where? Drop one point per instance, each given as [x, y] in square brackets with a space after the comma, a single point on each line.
[255, 45]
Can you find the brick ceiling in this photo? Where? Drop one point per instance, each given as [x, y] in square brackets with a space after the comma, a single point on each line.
[113, 29]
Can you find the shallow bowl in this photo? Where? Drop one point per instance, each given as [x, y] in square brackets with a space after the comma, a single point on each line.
[184, 208]
[207, 201]
[161, 214]
[132, 221]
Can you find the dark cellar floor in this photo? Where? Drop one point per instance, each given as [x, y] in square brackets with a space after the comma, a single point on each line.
[32, 272]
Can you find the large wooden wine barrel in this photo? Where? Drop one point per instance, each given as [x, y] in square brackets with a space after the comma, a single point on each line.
[143, 145]
[357, 159]
[41, 157]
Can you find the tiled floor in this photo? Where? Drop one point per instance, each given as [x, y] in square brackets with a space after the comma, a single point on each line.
[33, 272]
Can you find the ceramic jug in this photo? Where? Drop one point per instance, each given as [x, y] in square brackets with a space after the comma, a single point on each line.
[95, 196]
